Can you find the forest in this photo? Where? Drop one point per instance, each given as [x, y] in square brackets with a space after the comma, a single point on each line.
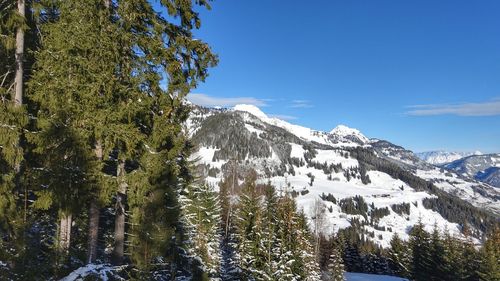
[96, 176]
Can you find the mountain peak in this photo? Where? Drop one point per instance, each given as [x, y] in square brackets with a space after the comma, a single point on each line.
[344, 131]
[250, 108]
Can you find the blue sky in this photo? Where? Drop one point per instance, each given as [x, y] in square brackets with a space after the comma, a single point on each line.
[421, 74]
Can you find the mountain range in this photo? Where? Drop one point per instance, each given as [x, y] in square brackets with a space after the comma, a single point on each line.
[441, 157]
[381, 186]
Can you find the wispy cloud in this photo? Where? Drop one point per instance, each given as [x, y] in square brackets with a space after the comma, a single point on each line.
[301, 104]
[283, 117]
[489, 108]
[211, 101]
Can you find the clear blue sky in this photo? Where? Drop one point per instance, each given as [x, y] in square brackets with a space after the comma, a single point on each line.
[421, 74]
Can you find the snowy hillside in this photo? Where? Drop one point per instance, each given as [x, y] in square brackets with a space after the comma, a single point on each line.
[355, 178]
[443, 157]
[485, 168]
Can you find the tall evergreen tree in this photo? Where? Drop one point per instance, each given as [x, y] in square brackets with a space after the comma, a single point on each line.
[489, 268]
[335, 267]
[13, 119]
[399, 257]
[437, 252]
[420, 247]
[249, 229]
[156, 49]
[201, 212]
[66, 118]
[269, 239]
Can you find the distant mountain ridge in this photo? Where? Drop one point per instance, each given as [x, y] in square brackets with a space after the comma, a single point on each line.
[485, 168]
[441, 157]
[396, 187]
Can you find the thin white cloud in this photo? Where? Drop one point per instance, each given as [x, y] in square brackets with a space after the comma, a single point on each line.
[301, 104]
[210, 101]
[489, 108]
[283, 117]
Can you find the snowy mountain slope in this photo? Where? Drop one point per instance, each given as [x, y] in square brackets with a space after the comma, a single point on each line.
[443, 157]
[331, 168]
[473, 190]
[481, 167]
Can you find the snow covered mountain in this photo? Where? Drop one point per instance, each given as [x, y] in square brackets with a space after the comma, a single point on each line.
[485, 168]
[381, 185]
[441, 157]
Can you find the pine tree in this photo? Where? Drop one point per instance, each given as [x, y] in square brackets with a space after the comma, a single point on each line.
[15, 21]
[66, 109]
[156, 49]
[471, 260]
[249, 229]
[335, 267]
[437, 255]
[307, 267]
[489, 268]
[269, 239]
[201, 212]
[399, 257]
[420, 247]
[452, 258]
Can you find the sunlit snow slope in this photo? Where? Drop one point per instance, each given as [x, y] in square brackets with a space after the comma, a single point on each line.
[342, 163]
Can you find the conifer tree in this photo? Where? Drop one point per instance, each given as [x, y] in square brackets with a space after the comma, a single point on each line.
[65, 116]
[471, 260]
[14, 22]
[452, 254]
[420, 247]
[437, 252]
[489, 268]
[249, 229]
[269, 240]
[399, 257]
[201, 212]
[335, 267]
[155, 49]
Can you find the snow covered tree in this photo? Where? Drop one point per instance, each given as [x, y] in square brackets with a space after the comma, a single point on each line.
[249, 229]
[269, 240]
[335, 267]
[307, 265]
[201, 211]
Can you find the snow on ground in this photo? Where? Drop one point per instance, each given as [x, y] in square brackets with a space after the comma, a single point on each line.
[383, 191]
[351, 276]
[344, 131]
[97, 271]
[462, 188]
[252, 129]
[300, 131]
[334, 157]
[297, 151]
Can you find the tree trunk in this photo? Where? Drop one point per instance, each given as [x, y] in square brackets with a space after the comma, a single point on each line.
[94, 213]
[65, 232]
[93, 231]
[121, 198]
[18, 94]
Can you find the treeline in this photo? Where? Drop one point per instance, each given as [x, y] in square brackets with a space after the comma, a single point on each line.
[425, 256]
[93, 155]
